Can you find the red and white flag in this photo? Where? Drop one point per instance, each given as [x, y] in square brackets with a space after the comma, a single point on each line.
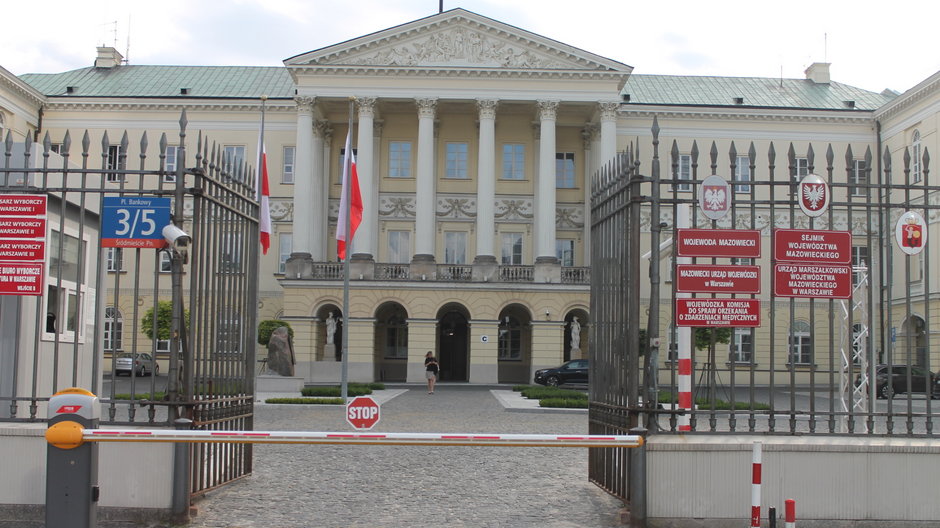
[264, 193]
[351, 201]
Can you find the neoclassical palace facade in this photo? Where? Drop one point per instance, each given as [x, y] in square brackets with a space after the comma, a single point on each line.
[476, 143]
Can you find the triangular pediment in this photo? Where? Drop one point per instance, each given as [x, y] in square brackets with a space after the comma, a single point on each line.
[457, 39]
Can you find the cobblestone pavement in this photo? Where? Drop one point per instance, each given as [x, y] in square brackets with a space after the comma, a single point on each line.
[379, 486]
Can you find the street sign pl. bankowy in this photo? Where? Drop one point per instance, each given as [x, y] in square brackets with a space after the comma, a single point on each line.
[134, 222]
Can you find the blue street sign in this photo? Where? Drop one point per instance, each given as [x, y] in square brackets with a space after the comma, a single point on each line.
[134, 222]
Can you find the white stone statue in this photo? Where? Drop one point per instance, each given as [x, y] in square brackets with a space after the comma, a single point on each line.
[575, 328]
[330, 328]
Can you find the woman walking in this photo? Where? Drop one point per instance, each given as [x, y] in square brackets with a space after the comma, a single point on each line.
[430, 370]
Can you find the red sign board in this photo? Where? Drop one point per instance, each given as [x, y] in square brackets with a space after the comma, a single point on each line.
[21, 278]
[22, 250]
[813, 280]
[362, 413]
[732, 243]
[718, 312]
[704, 278]
[803, 245]
[22, 205]
[22, 227]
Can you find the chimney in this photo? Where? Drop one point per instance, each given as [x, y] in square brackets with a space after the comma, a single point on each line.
[108, 57]
[818, 72]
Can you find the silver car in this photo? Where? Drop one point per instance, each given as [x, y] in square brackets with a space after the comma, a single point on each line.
[139, 364]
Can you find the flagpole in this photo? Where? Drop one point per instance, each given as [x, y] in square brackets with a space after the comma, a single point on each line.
[347, 189]
[253, 299]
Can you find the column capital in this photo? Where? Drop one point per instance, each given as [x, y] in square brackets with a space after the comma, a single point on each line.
[322, 129]
[608, 109]
[548, 110]
[305, 103]
[427, 106]
[487, 108]
[588, 134]
[377, 128]
[366, 106]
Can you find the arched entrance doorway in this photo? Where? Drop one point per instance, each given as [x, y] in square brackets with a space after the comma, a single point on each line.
[914, 331]
[391, 343]
[453, 343]
[514, 345]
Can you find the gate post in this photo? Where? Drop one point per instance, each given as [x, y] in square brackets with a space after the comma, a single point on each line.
[72, 465]
[182, 473]
[637, 480]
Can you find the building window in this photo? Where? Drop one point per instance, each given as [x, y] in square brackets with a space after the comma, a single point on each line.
[230, 259]
[342, 160]
[800, 168]
[801, 344]
[396, 337]
[915, 155]
[513, 161]
[114, 260]
[399, 159]
[511, 249]
[564, 250]
[399, 247]
[166, 263]
[859, 259]
[169, 175]
[858, 178]
[228, 336]
[510, 339]
[112, 163]
[113, 329]
[564, 170]
[234, 156]
[742, 173]
[456, 161]
[64, 285]
[287, 170]
[455, 248]
[284, 245]
[684, 173]
[742, 346]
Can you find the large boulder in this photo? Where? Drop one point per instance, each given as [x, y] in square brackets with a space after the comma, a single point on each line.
[280, 353]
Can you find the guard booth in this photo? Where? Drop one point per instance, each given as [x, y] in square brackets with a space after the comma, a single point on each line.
[754, 288]
[107, 288]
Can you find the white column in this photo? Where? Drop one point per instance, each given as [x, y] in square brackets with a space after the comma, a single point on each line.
[424, 193]
[590, 167]
[319, 235]
[545, 193]
[608, 112]
[303, 179]
[486, 182]
[321, 201]
[376, 177]
[362, 242]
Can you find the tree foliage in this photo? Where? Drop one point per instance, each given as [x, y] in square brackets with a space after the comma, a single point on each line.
[268, 326]
[703, 337]
[164, 321]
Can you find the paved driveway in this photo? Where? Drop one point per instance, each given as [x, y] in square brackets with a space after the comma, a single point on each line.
[376, 486]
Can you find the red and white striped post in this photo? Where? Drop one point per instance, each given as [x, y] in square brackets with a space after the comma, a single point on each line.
[790, 514]
[755, 485]
[685, 388]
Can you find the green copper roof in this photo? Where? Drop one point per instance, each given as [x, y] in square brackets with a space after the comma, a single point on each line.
[166, 81]
[684, 90]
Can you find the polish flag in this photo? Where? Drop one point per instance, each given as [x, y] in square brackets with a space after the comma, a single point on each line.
[264, 193]
[353, 198]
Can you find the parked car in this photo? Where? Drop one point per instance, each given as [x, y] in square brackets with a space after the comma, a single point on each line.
[572, 372]
[141, 364]
[920, 380]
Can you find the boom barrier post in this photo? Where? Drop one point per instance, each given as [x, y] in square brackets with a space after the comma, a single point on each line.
[637, 484]
[71, 464]
[182, 464]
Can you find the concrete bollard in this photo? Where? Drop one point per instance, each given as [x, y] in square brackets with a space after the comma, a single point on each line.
[637, 480]
[71, 463]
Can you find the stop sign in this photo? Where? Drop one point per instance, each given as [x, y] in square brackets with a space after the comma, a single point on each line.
[362, 413]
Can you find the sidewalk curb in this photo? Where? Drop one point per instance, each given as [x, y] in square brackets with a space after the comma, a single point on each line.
[513, 401]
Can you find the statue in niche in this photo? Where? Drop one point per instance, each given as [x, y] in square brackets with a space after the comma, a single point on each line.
[330, 329]
[575, 328]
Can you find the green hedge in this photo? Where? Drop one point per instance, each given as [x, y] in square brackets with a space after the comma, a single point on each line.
[565, 403]
[541, 393]
[157, 396]
[306, 401]
[352, 389]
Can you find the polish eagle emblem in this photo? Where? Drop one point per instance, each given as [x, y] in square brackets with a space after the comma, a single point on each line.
[813, 195]
[715, 198]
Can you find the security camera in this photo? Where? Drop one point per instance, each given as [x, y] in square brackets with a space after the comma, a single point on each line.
[176, 237]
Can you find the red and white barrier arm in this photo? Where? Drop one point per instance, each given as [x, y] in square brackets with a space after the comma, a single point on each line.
[353, 438]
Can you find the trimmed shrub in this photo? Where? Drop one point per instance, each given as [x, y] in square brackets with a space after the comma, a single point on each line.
[157, 396]
[306, 401]
[564, 403]
[352, 389]
[268, 326]
[540, 393]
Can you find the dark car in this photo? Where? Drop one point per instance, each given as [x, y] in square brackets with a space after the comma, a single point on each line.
[892, 379]
[574, 372]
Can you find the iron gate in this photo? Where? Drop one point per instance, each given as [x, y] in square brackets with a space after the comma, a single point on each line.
[189, 313]
[814, 364]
